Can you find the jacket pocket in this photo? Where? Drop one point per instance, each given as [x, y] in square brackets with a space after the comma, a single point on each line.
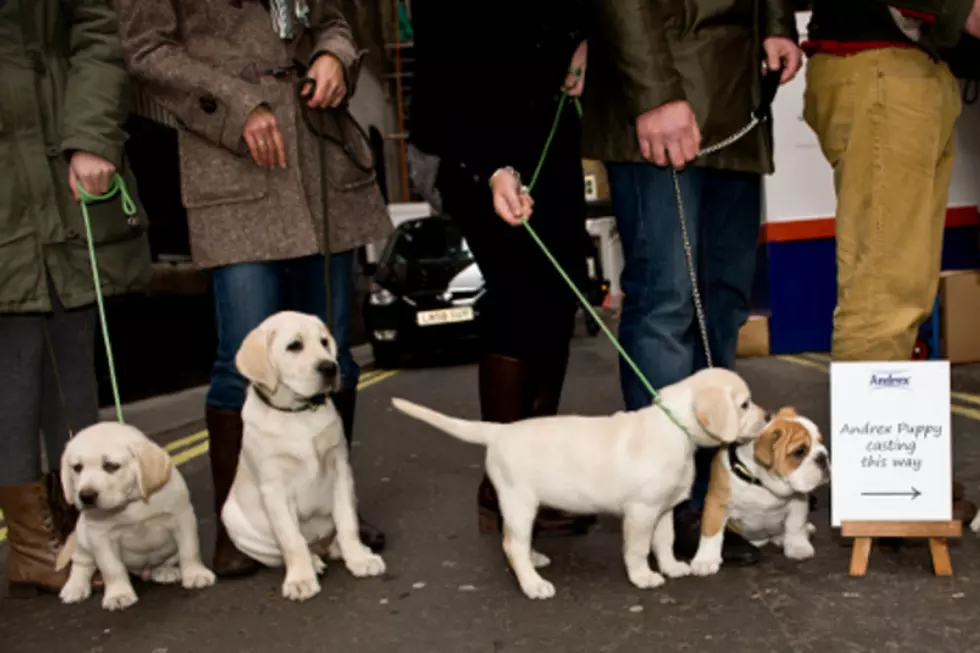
[107, 219]
[341, 170]
[212, 176]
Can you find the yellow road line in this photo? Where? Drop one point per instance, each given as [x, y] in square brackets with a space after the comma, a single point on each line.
[964, 411]
[199, 450]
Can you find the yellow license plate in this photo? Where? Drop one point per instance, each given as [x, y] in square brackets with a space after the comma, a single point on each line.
[445, 316]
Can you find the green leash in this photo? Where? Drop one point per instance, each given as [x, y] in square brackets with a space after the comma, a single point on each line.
[116, 187]
[568, 280]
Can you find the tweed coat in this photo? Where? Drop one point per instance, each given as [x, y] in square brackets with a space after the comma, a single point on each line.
[200, 60]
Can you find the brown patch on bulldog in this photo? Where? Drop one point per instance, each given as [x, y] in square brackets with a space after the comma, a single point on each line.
[719, 496]
[783, 446]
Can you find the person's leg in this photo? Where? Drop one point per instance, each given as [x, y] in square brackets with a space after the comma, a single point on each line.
[307, 294]
[885, 123]
[244, 295]
[69, 394]
[731, 215]
[24, 499]
[512, 384]
[657, 327]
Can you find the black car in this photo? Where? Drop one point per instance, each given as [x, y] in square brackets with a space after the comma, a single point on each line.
[426, 291]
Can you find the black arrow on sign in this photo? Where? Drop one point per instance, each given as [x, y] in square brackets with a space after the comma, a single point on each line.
[913, 494]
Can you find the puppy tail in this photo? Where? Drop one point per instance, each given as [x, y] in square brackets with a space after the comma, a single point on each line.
[466, 430]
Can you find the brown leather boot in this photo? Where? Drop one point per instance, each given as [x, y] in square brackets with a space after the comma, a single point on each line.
[345, 401]
[509, 391]
[225, 435]
[35, 540]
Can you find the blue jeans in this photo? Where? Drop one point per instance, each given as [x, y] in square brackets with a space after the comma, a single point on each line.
[247, 293]
[659, 328]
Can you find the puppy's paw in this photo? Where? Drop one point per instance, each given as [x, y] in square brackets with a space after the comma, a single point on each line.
[675, 569]
[163, 575]
[75, 592]
[538, 588]
[810, 528]
[334, 552]
[646, 579]
[300, 588]
[705, 566]
[539, 560]
[798, 549]
[118, 599]
[196, 577]
[366, 565]
[319, 566]
[975, 524]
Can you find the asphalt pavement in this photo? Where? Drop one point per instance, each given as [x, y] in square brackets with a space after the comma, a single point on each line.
[449, 589]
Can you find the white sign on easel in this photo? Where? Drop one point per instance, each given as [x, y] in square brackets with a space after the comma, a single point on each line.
[891, 442]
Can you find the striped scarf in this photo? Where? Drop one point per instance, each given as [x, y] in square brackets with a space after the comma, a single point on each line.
[289, 17]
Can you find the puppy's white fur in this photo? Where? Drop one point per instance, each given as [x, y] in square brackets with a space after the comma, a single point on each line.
[140, 522]
[790, 461]
[636, 464]
[294, 486]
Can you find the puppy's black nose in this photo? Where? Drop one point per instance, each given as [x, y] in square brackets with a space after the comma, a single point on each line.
[768, 417]
[822, 461]
[88, 497]
[327, 368]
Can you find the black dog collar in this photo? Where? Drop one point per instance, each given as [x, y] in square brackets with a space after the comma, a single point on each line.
[310, 403]
[739, 468]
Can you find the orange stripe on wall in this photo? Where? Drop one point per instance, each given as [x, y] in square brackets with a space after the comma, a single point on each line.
[818, 228]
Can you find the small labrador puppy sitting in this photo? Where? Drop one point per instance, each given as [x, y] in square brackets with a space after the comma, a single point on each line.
[635, 464]
[294, 486]
[136, 516]
[763, 488]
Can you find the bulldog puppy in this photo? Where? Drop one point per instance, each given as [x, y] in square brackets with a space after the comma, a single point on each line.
[761, 490]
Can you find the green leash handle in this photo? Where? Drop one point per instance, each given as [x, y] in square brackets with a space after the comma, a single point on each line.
[116, 187]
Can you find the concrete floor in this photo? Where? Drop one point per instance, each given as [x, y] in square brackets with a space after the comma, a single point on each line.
[448, 588]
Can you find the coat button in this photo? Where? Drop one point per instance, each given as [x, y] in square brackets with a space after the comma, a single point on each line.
[52, 152]
[133, 221]
[208, 105]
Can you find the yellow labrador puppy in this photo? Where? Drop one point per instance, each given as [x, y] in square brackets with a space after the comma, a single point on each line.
[136, 516]
[635, 464]
[294, 486]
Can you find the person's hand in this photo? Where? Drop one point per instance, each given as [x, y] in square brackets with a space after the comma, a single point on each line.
[94, 173]
[669, 133]
[575, 81]
[264, 139]
[973, 20]
[509, 199]
[330, 87]
[783, 54]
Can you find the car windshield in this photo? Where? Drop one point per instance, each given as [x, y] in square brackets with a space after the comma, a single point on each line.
[430, 239]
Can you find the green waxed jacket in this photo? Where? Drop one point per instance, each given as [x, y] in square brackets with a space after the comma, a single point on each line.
[645, 53]
[63, 88]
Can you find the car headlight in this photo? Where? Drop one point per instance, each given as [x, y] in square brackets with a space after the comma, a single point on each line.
[380, 296]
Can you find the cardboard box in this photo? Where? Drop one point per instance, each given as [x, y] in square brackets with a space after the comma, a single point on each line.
[596, 181]
[959, 316]
[753, 337]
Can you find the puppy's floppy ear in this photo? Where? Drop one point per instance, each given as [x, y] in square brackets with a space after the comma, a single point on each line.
[765, 447]
[67, 482]
[153, 467]
[253, 360]
[787, 412]
[716, 413]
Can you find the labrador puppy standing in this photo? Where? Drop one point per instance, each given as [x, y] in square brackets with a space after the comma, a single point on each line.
[294, 486]
[638, 465]
[135, 517]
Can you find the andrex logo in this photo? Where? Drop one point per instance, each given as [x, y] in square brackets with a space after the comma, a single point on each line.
[890, 380]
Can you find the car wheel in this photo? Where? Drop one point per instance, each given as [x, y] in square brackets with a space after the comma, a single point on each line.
[386, 356]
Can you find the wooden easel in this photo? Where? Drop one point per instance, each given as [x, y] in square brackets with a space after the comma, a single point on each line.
[937, 532]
